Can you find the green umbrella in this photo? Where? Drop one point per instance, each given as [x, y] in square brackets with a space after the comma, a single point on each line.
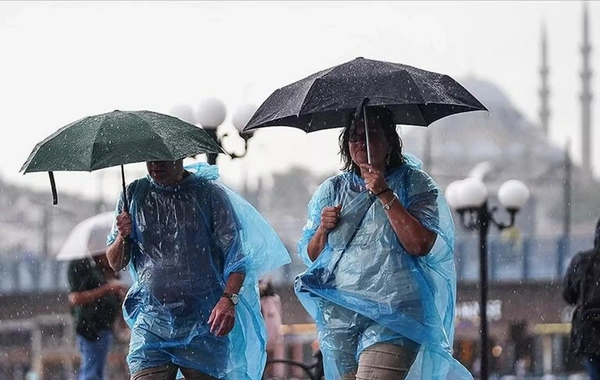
[117, 138]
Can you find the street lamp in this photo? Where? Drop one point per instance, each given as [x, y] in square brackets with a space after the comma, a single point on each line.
[211, 114]
[469, 198]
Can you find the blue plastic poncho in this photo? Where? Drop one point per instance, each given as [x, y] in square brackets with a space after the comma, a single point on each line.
[364, 288]
[187, 240]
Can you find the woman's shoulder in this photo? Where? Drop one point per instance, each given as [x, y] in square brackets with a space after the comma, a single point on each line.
[412, 179]
[410, 172]
[333, 180]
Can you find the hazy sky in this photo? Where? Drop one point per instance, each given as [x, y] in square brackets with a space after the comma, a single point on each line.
[61, 61]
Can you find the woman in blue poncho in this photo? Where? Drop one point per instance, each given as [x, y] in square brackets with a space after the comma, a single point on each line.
[380, 282]
[197, 252]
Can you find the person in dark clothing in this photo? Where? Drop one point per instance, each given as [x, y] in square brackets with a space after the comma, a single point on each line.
[95, 304]
[582, 289]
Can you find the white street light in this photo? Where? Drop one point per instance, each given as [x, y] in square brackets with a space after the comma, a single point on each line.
[242, 116]
[513, 194]
[469, 198]
[472, 193]
[211, 113]
[452, 195]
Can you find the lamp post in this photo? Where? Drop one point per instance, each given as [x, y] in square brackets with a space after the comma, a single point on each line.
[211, 114]
[469, 198]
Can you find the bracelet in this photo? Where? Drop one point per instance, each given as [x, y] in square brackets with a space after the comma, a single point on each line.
[382, 191]
[389, 205]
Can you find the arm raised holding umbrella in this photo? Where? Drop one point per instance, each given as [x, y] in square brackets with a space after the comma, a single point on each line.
[116, 253]
[379, 246]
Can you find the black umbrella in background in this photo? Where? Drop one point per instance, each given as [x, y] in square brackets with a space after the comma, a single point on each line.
[333, 97]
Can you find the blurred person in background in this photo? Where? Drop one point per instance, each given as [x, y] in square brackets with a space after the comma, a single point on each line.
[581, 288]
[270, 307]
[95, 302]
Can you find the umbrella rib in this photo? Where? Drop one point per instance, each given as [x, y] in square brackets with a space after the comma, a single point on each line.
[311, 90]
[422, 101]
[94, 144]
[156, 132]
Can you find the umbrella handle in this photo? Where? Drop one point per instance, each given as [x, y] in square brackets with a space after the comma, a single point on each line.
[125, 203]
[367, 135]
[126, 239]
[53, 187]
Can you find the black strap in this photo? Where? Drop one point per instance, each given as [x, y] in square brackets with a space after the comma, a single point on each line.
[382, 191]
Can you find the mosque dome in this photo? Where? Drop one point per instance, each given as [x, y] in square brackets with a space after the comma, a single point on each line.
[498, 103]
[486, 92]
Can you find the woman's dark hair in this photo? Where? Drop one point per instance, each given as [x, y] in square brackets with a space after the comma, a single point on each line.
[384, 118]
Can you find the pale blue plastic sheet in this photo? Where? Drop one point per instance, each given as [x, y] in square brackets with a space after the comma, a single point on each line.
[364, 288]
[178, 277]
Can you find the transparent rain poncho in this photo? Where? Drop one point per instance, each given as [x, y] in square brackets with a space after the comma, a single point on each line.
[364, 288]
[185, 243]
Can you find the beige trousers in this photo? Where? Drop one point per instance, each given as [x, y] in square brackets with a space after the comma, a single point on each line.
[169, 372]
[383, 361]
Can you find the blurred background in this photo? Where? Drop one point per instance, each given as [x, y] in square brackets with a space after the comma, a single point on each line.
[533, 64]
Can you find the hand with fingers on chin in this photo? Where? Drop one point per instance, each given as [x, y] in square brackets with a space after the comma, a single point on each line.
[374, 179]
[222, 317]
[124, 224]
[329, 217]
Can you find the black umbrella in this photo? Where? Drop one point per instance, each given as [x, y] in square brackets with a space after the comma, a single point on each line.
[332, 97]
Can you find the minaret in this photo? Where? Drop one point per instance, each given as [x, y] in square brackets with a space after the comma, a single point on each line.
[586, 95]
[544, 89]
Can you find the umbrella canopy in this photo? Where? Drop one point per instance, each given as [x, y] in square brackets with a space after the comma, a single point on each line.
[330, 98]
[118, 138]
[88, 238]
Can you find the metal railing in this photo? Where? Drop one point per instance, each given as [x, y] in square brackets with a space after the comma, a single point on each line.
[521, 259]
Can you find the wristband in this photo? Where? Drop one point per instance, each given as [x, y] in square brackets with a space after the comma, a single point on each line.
[383, 191]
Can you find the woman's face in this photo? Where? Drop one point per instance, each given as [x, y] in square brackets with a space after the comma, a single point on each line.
[377, 142]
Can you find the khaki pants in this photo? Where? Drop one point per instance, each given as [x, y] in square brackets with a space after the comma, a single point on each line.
[169, 372]
[383, 361]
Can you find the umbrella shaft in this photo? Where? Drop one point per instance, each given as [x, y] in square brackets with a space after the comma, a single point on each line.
[367, 135]
[125, 205]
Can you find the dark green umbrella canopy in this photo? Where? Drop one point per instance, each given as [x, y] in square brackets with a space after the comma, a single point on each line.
[118, 138]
